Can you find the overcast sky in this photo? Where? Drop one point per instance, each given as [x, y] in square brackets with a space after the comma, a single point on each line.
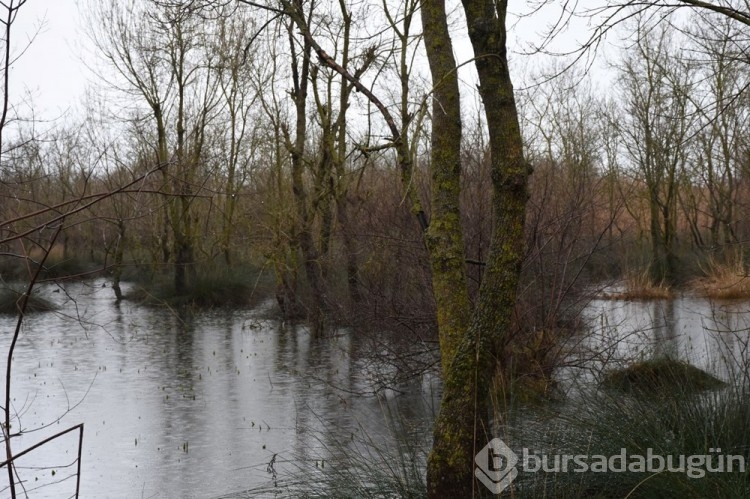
[50, 70]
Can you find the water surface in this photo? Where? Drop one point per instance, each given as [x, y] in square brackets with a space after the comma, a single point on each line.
[711, 335]
[198, 405]
[194, 405]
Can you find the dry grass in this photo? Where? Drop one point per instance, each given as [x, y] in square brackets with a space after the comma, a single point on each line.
[639, 286]
[56, 253]
[723, 281]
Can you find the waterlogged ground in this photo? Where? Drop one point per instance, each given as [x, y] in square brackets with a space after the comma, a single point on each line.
[193, 406]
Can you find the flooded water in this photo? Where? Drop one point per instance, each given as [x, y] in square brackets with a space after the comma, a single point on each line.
[220, 403]
[711, 335]
[192, 406]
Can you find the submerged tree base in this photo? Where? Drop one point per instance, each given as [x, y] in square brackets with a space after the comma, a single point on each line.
[661, 375]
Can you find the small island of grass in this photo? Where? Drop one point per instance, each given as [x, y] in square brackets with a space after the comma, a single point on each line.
[659, 376]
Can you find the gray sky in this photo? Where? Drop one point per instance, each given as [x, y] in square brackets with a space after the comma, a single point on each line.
[50, 70]
[52, 73]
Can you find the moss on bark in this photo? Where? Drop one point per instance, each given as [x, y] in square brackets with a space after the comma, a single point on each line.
[463, 424]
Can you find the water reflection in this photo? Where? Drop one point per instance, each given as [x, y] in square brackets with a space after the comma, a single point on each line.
[181, 405]
[710, 335]
[197, 405]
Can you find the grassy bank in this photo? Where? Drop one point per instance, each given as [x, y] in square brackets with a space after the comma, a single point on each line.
[723, 281]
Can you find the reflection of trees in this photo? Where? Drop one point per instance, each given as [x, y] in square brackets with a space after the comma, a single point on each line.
[710, 337]
[729, 329]
[293, 394]
[665, 340]
[339, 419]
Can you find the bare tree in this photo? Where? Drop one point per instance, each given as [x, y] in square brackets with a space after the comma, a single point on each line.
[163, 55]
[721, 129]
[235, 31]
[656, 125]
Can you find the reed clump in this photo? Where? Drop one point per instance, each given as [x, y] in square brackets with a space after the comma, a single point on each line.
[639, 286]
[659, 376]
[700, 439]
[212, 288]
[723, 281]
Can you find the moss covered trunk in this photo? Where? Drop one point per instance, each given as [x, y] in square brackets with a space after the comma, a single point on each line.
[444, 237]
[462, 427]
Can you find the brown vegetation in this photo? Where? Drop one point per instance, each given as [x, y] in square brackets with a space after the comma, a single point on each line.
[723, 281]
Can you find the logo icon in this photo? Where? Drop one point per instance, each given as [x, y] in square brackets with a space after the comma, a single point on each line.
[496, 466]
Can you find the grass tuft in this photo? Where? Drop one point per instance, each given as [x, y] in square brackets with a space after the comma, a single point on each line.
[10, 300]
[602, 425]
[723, 281]
[237, 287]
[660, 375]
[639, 286]
[679, 422]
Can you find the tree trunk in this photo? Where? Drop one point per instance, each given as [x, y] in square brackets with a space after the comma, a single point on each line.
[119, 253]
[444, 237]
[463, 423]
[304, 234]
[657, 268]
[352, 267]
